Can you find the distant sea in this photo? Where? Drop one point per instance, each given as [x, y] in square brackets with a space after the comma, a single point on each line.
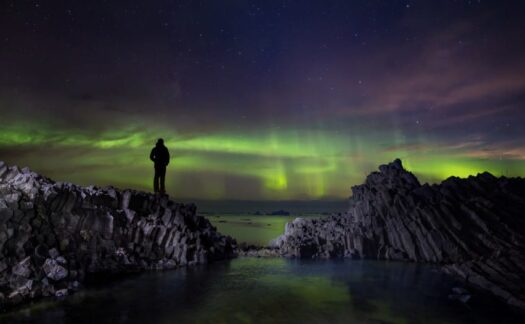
[251, 222]
[294, 207]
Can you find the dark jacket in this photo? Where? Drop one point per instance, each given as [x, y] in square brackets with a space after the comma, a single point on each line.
[160, 156]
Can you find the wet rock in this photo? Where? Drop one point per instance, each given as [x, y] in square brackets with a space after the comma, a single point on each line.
[247, 250]
[460, 294]
[3, 265]
[280, 212]
[22, 268]
[61, 293]
[53, 253]
[53, 270]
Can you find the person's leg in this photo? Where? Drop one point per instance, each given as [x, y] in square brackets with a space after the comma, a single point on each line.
[156, 181]
[162, 176]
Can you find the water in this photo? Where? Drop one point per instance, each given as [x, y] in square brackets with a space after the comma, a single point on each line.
[252, 229]
[239, 220]
[293, 206]
[274, 290]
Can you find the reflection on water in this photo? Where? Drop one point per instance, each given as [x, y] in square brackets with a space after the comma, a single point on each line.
[251, 290]
[252, 229]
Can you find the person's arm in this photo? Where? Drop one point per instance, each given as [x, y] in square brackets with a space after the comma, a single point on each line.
[167, 157]
[152, 155]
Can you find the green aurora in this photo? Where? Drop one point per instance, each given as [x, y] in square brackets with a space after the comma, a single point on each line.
[278, 164]
[293, 100]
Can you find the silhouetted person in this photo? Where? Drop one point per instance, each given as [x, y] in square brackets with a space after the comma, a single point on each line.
[161, 158]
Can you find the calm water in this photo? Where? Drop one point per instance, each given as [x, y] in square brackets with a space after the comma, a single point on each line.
[294, 207]
[252, 229]
[251, 290]
[237, 219]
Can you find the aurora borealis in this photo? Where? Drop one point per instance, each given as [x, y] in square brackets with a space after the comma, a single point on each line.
[262, 100]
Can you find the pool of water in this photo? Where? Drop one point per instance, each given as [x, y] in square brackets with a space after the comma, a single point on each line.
[252, 229]
[274, 290]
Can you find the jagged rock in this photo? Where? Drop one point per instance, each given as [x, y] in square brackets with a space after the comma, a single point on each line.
[53, 253]
[53, 270]
[474, 227]
[22, 268]
[257, 251]
[55, 234]
[459, 294]
[61, 293]
[280, 212]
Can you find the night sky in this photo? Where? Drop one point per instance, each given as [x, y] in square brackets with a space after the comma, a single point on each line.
[262, 99]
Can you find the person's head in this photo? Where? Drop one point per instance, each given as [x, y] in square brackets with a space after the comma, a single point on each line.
[160, 142]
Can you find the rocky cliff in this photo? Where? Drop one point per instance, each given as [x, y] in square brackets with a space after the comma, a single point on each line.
[54, 236]
[474, 227]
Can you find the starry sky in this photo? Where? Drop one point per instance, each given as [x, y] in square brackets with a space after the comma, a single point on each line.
[262, 100]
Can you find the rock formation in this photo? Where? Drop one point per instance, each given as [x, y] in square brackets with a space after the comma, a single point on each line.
[54, 236]
[474, 227]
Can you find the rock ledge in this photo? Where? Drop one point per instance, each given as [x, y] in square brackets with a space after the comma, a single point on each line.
[474, 228]
[55, 235]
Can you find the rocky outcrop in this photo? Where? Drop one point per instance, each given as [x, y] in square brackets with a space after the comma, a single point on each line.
[474, 227]
[246, 250]
[54, 236]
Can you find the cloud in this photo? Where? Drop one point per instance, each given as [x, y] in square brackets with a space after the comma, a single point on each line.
[448, 71]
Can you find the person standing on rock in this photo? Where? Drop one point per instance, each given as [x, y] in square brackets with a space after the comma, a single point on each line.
[161, 158]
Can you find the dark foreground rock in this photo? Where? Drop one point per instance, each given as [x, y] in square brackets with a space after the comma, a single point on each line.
[54, 236]
[474, 227]
[246, 250]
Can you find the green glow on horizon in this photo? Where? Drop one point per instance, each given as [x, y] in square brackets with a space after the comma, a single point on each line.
[271, 164]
